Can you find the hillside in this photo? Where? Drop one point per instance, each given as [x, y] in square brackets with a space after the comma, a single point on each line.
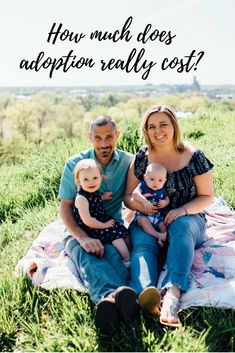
[32, 319]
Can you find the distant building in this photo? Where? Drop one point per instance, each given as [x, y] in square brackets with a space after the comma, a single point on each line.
[195, 85]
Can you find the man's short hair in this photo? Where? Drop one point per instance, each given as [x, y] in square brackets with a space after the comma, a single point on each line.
[101, 121]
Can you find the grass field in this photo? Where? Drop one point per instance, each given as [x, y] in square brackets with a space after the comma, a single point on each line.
[32, 319]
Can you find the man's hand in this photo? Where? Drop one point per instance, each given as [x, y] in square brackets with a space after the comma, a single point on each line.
[107, 195]
[110, 223]
[93, 246]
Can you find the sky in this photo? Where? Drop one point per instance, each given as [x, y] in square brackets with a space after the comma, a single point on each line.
[191, 26]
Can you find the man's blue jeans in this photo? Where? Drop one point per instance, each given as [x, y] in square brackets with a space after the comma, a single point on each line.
[100, 276]
[184, 235]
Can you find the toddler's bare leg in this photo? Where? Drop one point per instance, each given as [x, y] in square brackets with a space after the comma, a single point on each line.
[145, 223]
[128, 242]
[162, 227]
[121, 246]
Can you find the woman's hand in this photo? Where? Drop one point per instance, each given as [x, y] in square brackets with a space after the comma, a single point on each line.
[153, 208]
[173, 215]
[147, 204]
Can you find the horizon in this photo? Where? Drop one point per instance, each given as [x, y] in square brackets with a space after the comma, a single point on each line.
[118, 85]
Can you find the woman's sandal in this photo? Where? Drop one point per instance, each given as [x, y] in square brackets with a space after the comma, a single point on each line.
[169, 309]
[149, 301]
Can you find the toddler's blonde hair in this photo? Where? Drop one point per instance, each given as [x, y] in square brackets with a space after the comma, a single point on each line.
[83, 165]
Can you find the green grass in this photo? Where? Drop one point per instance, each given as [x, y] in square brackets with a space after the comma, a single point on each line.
[214, 134]
[33, 319]
[35, 180]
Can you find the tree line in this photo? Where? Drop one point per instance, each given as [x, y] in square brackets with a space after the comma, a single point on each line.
[31, 122]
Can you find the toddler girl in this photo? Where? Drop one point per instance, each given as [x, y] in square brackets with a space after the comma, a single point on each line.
[90, 212]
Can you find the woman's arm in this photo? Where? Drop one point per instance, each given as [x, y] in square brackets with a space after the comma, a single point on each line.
[129, 201]
[138, 196]
[83, 208]
[205, 194]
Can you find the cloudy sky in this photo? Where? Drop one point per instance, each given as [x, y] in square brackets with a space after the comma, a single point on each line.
[201, 25]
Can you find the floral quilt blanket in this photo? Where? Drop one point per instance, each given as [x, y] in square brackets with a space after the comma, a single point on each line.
[212, 277]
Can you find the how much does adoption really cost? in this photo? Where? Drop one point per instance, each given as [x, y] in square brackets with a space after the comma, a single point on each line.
[134, 61]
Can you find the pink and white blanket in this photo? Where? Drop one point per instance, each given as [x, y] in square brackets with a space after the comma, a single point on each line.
[212, 277]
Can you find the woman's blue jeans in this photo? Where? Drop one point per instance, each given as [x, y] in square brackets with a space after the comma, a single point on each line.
[184, 235]
[99, 275]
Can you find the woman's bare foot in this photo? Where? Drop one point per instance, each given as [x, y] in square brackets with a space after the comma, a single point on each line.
[169, 311]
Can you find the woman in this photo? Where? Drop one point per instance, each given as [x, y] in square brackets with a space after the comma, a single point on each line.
[190, 190]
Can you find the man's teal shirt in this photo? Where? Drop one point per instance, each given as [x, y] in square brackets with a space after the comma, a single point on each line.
[114, 179]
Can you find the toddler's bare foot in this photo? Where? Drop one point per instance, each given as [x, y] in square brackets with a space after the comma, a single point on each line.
[160, 243]
[163, 236]
[159, 235]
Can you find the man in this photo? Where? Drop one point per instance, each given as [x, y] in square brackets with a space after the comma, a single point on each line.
[99, 266]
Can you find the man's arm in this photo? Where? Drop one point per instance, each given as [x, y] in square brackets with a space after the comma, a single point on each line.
[90, 245]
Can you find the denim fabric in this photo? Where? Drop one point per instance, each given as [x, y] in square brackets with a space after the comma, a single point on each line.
[144, 259]
[115, 174]
[99, 275]
[185, 234]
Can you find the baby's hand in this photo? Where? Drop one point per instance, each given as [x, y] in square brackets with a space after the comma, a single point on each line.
[147, 195]
[110, 223]
[162, 203]
[107, 195]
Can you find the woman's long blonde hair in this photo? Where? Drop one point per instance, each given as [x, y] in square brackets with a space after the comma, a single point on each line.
[178, 143]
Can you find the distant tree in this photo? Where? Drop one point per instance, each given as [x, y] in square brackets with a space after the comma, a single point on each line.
[42, 107]
[22, 118]
[69, 118]
[227, 105]
[111, 99]
[108, 100]
[194, 103]
[4, 103]
[88, 102]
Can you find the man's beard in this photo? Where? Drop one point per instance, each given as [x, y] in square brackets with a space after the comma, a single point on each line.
[105, 152]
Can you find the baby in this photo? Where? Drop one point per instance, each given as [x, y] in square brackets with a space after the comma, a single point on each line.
[89, 210]
[148, 191]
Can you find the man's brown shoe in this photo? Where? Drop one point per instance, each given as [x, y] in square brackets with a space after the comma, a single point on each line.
[127, 304]
[106, 316]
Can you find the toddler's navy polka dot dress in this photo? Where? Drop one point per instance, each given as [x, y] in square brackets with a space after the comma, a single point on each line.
[96, 209]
